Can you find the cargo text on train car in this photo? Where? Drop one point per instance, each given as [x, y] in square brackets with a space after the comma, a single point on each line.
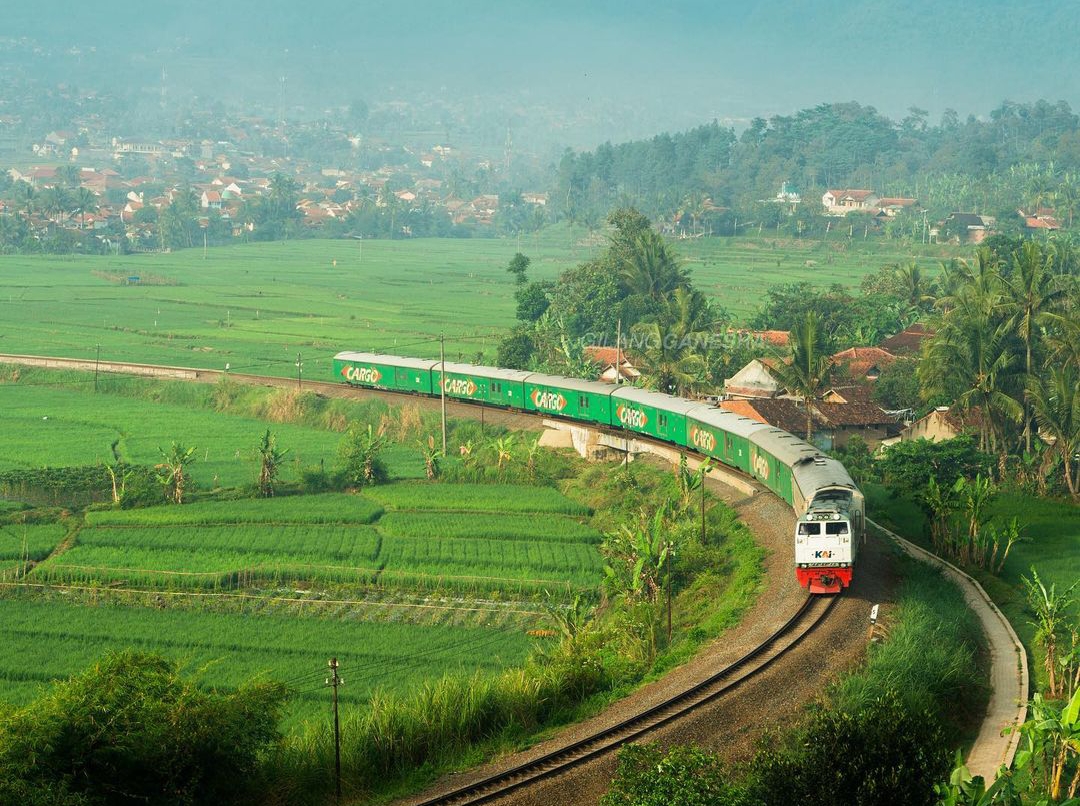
[459, 386]
[631, 418]
[551, 401]
[361, 374]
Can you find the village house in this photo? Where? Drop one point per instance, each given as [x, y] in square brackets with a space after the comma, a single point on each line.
[842, 202]
[891, 206]
[941, 424]
[908, 341]
[613, 364]
[969, 227]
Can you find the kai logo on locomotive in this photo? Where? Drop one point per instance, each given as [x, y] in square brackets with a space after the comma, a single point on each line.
[361, 374]
[631, 418]
[459, 386]
[702, 439]
[551, 401]
[823, 555]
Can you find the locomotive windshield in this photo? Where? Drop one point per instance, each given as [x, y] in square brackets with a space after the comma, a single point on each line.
[809, 528]
[836, 528]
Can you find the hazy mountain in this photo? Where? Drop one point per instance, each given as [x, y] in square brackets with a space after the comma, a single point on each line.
[604, 70]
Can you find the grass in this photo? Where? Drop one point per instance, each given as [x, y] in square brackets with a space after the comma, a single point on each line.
[1052, 545]
[491, 526]
[306, 509]
[257, 306]
[48, 640]
[475, 498]
[930, 656]
[27, 542]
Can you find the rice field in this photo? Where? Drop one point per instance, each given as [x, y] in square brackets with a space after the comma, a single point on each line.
[48, 640]
[338, 539]
[475, 498]
[22, 543]
[257, 306]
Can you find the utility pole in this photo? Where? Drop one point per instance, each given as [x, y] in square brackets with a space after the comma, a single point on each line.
[618, 354]
[97, 361]
[442, 388]
[334, 681]
[703, 507]
[299, 369]
[667, 563]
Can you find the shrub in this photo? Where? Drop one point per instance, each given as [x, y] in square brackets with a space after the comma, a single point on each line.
[130, 730]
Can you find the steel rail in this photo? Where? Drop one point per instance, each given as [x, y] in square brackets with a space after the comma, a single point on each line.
[560, 760]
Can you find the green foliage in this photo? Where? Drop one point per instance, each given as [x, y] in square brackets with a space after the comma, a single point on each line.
[475, 498]
[897, 388]
[647, 775]
[519, 264]
[909, 465]
[77, 485]
[271, 458]
[173, 471]
[360, 451]
[131, 730]
[858, 459]
[882, 753]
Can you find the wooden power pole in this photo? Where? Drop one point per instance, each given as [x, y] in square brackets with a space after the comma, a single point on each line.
[334, 681]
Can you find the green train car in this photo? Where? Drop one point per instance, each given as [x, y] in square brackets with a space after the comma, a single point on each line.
[588, 401]
[499, 387]
[721, 434]
[653, 414]
[773, 453]
[392, 372]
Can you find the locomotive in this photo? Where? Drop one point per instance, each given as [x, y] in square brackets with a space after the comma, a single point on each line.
[830, 509]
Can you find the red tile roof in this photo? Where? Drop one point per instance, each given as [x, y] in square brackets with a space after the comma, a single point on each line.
[860, 360]
[908, 341]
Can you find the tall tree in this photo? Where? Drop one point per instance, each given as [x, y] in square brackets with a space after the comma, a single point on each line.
[1055, 402]
[1034, 291]
[810, 366]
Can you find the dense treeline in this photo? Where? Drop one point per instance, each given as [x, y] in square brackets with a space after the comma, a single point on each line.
[709, 177]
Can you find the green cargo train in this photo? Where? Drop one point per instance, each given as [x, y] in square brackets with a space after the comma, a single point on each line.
[393, 372]
[566, 397]
[499, 387]
[772, 455]
[652, 414]
[721, 434]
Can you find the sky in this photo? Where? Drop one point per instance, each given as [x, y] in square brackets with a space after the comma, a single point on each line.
[641, 67]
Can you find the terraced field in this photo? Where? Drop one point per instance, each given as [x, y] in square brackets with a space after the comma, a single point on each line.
[387, 581]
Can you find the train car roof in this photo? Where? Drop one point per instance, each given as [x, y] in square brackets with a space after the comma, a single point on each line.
[675, 405]
[726, 420]
[483, 372]
[578, 385]
[821, 473]
[788, 448]
[391, 360]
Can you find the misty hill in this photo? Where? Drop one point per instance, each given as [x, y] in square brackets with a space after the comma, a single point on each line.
[605, 71]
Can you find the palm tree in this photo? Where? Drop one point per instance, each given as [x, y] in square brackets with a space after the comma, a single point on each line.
[649, 267]
[808, 371]
[973, 358]
[670, 355]
[914, 286]
[1056, 405]
[1034, 291]
[83, 201]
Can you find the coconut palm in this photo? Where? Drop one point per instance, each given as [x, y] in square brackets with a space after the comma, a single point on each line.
[1034, 290]
[808, 371]
[670, 348]
[649, 268]
[973, 357]
[1056, 405]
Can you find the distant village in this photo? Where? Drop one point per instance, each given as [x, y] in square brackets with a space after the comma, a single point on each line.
[114, 191]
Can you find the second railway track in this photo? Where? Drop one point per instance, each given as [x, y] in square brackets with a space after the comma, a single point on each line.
[809, 616]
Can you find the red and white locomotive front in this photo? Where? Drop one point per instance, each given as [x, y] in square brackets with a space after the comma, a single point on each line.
[825, 547]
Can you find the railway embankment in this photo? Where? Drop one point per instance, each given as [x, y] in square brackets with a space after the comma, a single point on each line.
[995, 744]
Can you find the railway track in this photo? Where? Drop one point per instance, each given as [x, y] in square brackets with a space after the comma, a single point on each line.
[809, 616]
